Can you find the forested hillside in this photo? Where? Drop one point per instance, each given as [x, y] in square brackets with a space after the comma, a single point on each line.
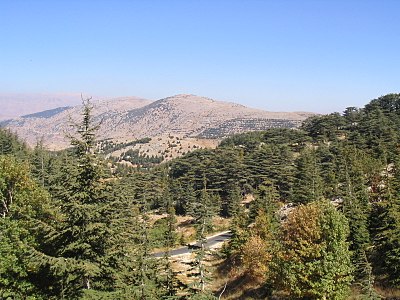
[314, 214]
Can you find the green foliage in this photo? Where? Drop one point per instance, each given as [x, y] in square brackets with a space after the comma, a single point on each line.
[388, 241]
[143, 161]
[170, 282]
[108, 146]
[203, 210]
[259, 251]
[15, 281]
[239, 236]
[95, 236]
[324, 128]
[315, 253]
[266, 199]
[308, 185]
[70, 228]
[232, 203]
[10, 144]
[26, 217]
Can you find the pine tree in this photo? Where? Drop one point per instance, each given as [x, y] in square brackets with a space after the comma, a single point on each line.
[367, 279]
[10, 144]
[385, 227]
[85, 232]
[353, 191]
[233, 201]
[266, 199]
[202, 211]
[307, 184]
[170, 282]
[41, 162]
[146, 285]
[388, 241]
[239, 236]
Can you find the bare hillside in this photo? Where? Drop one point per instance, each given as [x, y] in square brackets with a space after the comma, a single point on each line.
[126, 119]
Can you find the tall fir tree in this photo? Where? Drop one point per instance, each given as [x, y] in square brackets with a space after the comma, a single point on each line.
[307, 184]
[85, 231]
[202, 211]
[170, 282]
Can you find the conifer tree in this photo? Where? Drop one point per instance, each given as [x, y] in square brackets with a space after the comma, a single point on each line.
[239, 235]
[10, 144]
[85, 233]
[170, 282]
[366, 279]
[356, 207]
[385, 230]
[266, 199]
[388, 240]
[307, 184]
[41, 161]
[233, 202]
[147, 281]
[203, 212]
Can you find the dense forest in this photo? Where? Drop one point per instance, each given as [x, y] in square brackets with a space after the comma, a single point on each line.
[314, 214]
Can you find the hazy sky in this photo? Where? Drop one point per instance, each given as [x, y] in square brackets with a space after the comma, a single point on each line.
[318, 56]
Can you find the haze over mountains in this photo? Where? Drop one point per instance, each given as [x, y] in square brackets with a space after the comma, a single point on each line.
[130, 118]
[14, 105]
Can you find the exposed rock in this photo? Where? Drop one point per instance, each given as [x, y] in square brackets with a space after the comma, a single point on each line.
[130, 118]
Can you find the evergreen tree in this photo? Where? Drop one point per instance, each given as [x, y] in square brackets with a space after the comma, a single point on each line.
[239, 235]
[147, 279]
[85, 232]
[10, 144]
[41, 161]
[203, 212]
[367, 279]
[233, 202]
[170, 282]
[388, 241]
[307, 185]
[356, 206]
[266, 199]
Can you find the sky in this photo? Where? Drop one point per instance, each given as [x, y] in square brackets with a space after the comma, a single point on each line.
[285, 55]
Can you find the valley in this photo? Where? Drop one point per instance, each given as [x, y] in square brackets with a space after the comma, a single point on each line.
[294, 200]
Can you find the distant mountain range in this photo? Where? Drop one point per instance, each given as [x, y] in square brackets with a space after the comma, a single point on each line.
[13, 105]
[129, 118]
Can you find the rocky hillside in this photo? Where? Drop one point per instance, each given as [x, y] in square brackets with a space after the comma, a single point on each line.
[127, 119]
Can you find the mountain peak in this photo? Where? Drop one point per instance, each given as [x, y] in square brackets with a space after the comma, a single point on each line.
[188, 97]
[130, 118]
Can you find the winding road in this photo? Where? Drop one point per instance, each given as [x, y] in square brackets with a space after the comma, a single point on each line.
[211, 241]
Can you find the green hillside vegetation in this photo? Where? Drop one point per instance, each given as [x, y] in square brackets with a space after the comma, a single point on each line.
[314, 214]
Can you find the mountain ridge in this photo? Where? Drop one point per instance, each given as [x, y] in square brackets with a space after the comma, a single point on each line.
[130, 118]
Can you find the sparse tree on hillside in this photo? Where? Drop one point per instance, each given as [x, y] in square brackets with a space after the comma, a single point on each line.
[203, 212]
